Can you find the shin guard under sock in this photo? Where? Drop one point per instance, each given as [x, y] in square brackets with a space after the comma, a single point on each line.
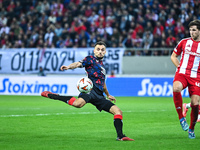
[194, 115]
[118, 125]
[178, 102]
[61, 98]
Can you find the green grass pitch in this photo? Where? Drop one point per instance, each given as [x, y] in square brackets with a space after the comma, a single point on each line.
[38, 123]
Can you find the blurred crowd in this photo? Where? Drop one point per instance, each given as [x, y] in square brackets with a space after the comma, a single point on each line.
[80, 23]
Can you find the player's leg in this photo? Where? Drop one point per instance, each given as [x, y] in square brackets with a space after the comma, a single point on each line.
[177, 97]
[178, 101]
[178, 85]
[194, 114]
[118, 123]
[186, 106]
[102, 103]
[78, 103]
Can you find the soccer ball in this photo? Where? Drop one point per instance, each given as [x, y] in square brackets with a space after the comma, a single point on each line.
[84, 85]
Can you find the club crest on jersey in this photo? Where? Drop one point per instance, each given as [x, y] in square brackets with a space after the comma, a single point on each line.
[188, 45]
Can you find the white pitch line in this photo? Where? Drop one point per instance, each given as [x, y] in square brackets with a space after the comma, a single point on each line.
[73, 113]
[49, 114]
[3, 116]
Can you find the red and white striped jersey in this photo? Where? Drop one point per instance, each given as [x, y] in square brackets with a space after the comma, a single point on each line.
[190, 57]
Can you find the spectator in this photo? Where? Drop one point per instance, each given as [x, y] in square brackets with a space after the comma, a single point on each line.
[158, 29]
[116, 17]
[94, 17]
[11, 6]
[59, 18]
[101, 30]
[23, 25]
[4, 29]
[65, 31]
[183, 16]
[123, 23]
[139, 29]
[43, 18]
[128, 41]
[3, 20]
[147, 42]
[92, 40]
[170, 22]
[88, 11]
[149, 27]
[162, 16]
[112, 74]
[109, 29]
[68, 42]
[3, 11]
[171, 41]
[41, 72]
[155, 44]
[39, 7]
[60, 43]
[49, 35]
[45, 6]
[52, 18]
[34, 36]
[58, 30]
[179, 30]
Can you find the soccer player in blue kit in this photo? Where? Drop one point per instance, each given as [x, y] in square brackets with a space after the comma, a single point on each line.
[96, 72]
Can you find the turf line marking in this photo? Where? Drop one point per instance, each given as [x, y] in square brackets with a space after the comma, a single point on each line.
[3, 116]
[73, 113]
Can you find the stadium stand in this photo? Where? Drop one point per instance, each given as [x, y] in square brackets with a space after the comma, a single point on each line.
[133, 24]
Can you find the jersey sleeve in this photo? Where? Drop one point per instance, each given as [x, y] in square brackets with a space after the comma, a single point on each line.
[178, 48]
[86, 61]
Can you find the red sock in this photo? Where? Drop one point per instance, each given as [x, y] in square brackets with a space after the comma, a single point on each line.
[118, 117]
[71, 101]
[194, 115]
[178, 102]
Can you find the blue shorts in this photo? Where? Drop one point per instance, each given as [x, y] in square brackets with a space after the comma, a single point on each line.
[96, 98]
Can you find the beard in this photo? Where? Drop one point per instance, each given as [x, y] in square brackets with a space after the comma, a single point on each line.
[99, 58]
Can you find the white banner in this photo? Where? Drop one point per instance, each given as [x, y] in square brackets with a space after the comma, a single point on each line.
[31, 85]
[28, 61]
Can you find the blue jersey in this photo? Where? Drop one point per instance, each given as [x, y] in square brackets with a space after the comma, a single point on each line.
[95, 70]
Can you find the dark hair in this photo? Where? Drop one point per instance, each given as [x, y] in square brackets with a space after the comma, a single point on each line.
[100, 43]
[195, 23]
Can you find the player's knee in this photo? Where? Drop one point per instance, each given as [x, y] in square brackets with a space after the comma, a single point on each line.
[80, 102]
[176, 89]
[78, 105]
[116, 111]
[177, 86]
[120, 112]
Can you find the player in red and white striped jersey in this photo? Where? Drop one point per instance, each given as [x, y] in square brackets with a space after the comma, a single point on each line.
[188, 75]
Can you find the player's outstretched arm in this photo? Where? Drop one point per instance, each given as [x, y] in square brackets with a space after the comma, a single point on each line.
[71, 66]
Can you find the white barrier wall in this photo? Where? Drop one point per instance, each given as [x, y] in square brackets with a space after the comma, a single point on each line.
[32, 85]
[120, 86]
[148, 65]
